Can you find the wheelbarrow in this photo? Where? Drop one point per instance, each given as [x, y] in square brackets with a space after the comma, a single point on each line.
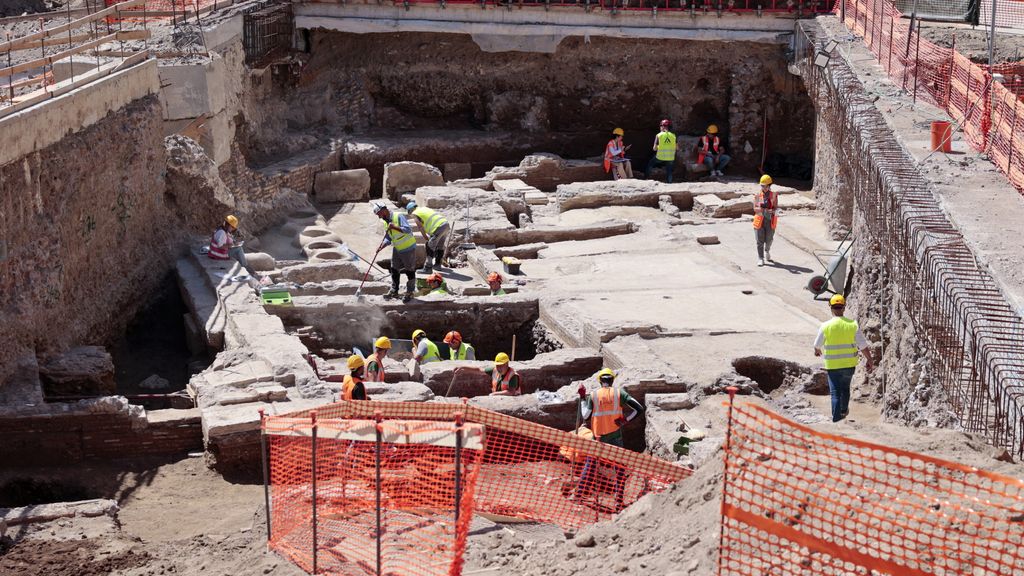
[834, 262]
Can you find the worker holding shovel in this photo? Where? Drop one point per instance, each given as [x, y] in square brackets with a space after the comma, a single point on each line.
[403, 250]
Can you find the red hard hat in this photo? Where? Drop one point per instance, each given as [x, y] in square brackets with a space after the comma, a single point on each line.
[452, 336]
[666, 122]
[435, 277]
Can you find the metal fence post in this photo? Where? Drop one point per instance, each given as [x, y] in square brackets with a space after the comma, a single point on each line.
[266, 469]
[379, 428]
[312, 416]
[458, 466]
[725, 479]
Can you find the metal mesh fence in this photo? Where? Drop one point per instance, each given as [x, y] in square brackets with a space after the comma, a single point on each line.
[1009, 13]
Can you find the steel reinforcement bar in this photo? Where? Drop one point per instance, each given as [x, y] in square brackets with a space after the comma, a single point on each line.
[976, 337]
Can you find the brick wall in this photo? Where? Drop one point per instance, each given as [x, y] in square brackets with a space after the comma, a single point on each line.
[62, 438]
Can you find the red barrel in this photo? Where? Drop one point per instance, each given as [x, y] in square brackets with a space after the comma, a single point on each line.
[942, 136]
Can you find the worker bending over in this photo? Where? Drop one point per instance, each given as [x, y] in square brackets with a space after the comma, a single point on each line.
[375, 361]
[424, 351]
[224, 247]
[604, 409]
[494, 280]
[457, 349]
[839, 340]
[437, 286]
[504, 378]
[352, 388]
[403, 250]
[664, 151]
[434, 229]
[766, 217]
[615, 160]
[711, 152]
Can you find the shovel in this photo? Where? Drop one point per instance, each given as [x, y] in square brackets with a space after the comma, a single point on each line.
[359, 291]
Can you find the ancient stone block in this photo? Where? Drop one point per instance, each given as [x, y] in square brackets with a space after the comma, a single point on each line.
[536, 198]
[403, 177]
[260, 261]
[711, 206]
[708, 240]
[322, 272]
[81, 371]
[342, 186]
[242, 374]
[506, 185]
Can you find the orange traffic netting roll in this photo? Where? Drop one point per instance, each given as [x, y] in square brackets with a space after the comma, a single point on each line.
[392, 497]
[798, 501]
[532, 472]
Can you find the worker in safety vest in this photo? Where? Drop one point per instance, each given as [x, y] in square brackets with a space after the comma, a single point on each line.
[459, 350]
[375, 361]
[615, 160]
[434, 229]
[352, 388]
[436, 284]
[711, 152]
[839, 340]
[224, 247]
[403, 250]
[424, 351]
[605, 410]
[766, 218]
[504, 378]
[664, 151]
[494, 280]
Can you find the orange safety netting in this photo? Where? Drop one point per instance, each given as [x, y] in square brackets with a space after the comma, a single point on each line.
[987, 112]
[798, 501]
[532, 472]
[409, 482]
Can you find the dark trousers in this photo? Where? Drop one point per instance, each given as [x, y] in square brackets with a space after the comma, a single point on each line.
[839, 385]
[655, 163]
[396, 277]
[589, 465]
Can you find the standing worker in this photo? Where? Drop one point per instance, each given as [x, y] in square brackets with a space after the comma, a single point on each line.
[494, 281]
[664, 151]
[434, 229]
[352, 388]
[604, 410]
[711, 152]
[504, 378]
[615, 160]
[403, 250]
[224, 247]
[424, 351]
[839, 340]
[457, 349]
[375, 361]
[766, 206]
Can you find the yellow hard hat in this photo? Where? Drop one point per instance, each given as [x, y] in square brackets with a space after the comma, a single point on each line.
[713, 129]
[355, 362]
[837, 300]
[605, 372]
[383, 342]
[618, 132]
[231, 219]
[417, 333]
[766, 180]
[501, 358]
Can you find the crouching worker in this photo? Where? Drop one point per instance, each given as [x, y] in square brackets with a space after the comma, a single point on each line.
[604, 410]
[352, 388]
[504, 378]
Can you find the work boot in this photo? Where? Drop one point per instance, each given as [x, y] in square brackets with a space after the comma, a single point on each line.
[426, 269]
[407, 297]
[760, 261]
[393, 293]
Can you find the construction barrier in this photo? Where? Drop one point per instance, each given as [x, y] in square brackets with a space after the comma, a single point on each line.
[986, 112]
[372, 497]
[1009, 13]
[799, 501]
[532, 472]
[714, 7]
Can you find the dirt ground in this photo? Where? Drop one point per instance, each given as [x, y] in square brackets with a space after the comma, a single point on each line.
[973, 42]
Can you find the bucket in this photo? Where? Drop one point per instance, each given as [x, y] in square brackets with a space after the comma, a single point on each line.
[942, 136]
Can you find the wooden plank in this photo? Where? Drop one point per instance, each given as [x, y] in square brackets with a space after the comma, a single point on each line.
[49, 60]
[50, 32]
[57, 41]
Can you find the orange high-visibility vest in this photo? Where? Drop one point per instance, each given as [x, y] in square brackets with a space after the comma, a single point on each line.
[500, 383]
[609, 156]
[348, 387]
[773, 200]
[374, 376]
[706, 146]
[607, 410]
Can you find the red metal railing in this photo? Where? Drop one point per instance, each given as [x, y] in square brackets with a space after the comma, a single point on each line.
[798, 7]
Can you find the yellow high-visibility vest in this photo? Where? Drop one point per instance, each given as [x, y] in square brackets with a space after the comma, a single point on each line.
[400, 241]
[666, 146]
[432, 219]
[840, 348]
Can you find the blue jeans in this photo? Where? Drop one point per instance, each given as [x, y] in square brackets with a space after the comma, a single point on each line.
[723, 160]
[839, 386]
[655, 163]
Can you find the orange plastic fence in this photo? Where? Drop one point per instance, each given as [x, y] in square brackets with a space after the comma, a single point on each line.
[401, 479]
[988, 113]
[798, 501]
[525, 470]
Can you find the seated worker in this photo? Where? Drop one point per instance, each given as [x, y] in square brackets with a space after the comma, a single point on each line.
[434, 228]
[424, 351]
[494, 280]
[375, 361]
[352, 388]
[224, 247]
[459, 350]
[711, 151]
[504, 378]
[615, 160]
[437, 286]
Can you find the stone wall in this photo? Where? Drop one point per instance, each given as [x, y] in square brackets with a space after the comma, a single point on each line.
[86, 235]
